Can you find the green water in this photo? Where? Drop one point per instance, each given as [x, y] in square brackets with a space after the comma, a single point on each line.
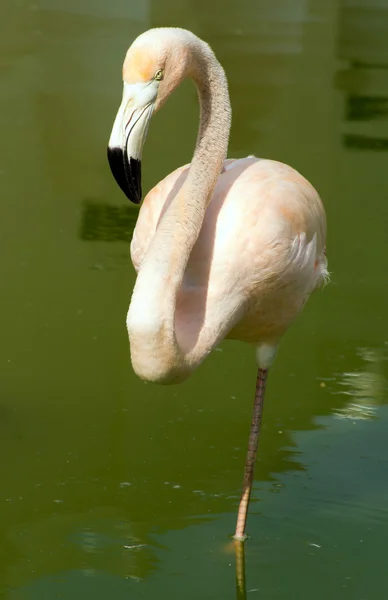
[111, 488]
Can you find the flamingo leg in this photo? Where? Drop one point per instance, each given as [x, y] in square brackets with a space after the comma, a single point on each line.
[251, 456]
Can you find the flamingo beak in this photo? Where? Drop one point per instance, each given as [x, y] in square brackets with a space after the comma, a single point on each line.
[128, 135]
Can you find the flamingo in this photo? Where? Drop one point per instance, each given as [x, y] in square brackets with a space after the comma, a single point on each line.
[223, 248]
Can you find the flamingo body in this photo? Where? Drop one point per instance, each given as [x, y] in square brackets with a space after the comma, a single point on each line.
[259, 255]
[223, 248]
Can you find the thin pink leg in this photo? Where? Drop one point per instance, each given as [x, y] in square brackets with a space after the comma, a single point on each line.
[251, 456]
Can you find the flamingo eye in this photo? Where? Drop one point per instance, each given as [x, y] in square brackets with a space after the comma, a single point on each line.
[159, 75]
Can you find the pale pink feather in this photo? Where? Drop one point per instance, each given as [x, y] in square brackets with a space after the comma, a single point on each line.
[259, 255]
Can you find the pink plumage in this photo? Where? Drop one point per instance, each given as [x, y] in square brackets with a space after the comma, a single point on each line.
[223, 248]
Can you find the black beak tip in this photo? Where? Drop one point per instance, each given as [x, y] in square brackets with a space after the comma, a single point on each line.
[127, 173]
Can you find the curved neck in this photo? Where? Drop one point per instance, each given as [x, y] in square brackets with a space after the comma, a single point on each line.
[155, 352]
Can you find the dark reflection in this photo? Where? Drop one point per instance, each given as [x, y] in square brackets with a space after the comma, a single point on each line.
[362, 41]
[364, 108]
[241, 590]
[107, 223]
[363, 142]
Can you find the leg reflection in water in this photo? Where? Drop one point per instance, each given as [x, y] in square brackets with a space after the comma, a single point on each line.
[241, 591]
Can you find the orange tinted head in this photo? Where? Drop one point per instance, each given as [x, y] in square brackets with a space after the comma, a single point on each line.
[165, 50]
[140, 65]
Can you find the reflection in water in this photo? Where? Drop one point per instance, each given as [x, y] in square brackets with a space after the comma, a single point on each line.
[366, 388]
[363, 142]
[97, 541]
[363, 108]
[241, 592]
[106, 222]
[366, 107]
[362, 41]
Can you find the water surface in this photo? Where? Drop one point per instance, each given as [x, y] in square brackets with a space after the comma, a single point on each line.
[111, 488]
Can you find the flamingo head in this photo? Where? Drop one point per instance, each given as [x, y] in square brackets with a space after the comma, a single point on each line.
[155, 64]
